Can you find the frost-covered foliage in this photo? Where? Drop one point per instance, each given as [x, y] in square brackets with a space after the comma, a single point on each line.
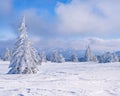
[56, 57]
[43, 57]
[7, 55]
[89, 55]
[74, 58]
[108, 57]
[24, 57]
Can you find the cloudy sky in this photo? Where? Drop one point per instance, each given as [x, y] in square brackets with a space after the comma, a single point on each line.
[63, 23]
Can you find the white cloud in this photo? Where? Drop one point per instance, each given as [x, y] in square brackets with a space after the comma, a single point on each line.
[39, 27]
[89, 17]
[103, 44]
[5, 6]
[37, 24]
[81, 18]
[97, 44]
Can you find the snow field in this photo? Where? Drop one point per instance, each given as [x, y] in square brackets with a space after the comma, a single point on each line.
[63, 79]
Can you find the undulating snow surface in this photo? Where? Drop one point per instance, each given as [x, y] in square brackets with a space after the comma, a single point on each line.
[63, 79]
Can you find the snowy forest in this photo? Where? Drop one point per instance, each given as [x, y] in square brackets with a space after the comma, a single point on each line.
[57, 55]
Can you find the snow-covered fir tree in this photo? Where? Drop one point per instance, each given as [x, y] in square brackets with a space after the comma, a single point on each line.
[56, 57]
[24, 57]
[7, 55]
[74, 58]
[61, 58]
[108, 57]
[89, 55]
[43, 57]
[115, 58]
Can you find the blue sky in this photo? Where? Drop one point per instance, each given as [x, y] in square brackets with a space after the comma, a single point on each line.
[47, 5]
[71, 23]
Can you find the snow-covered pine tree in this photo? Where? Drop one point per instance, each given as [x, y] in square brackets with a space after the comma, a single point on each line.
[61, 59]
[56, 57]
[43, 56]
[89, 56]
[24, 57]
[7, 55]
[115, 58]
[74, 58]
[108, 57]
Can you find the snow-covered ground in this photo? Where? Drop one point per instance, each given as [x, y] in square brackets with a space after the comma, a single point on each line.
[63, 79]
